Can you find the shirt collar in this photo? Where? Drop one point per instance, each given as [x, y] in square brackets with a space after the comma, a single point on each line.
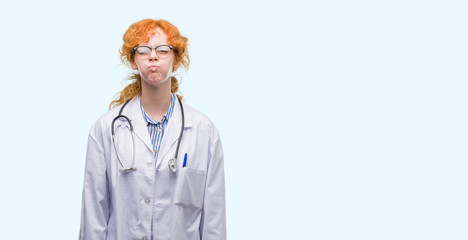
[165, 117]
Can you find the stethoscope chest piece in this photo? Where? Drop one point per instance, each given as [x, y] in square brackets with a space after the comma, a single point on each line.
[172, 165]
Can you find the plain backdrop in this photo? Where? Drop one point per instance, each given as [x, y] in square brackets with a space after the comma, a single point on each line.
[339, 119]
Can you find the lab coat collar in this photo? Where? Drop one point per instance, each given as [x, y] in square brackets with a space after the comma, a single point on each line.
[172, 130]
[133, 111]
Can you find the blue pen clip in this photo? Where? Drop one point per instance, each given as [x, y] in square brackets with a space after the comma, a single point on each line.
[185, 161]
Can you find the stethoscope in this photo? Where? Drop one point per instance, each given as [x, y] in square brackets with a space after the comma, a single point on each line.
[172, 161]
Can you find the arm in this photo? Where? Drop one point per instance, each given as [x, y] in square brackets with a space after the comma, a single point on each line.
[213, 220]
[95, 205]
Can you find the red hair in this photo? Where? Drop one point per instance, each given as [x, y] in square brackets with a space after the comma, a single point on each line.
[141, 32]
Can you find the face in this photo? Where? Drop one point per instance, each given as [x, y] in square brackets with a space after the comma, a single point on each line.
[153, 69]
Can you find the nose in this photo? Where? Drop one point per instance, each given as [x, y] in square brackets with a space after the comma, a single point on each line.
[153, 56]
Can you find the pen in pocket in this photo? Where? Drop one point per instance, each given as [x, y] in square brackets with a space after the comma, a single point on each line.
[185, 161]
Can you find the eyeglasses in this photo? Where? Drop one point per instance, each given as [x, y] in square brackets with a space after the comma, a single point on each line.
[162, 51]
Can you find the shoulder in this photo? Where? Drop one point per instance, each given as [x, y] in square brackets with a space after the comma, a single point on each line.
[200, 122]
[99, 127]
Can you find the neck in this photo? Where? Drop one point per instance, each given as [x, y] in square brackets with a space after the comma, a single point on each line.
[156, 100]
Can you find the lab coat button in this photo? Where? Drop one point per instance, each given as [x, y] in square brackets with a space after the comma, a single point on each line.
[147, 200]
[144, 238]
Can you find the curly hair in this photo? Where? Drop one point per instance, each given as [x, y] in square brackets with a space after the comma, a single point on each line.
[141, 32]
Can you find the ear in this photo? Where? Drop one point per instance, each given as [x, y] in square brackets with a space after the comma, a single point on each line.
[133, 65]
[176, 65]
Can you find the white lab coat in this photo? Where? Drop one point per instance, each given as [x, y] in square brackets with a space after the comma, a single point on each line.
[152, 200]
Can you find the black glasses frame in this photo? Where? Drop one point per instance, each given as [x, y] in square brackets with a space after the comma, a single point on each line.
[155, 48]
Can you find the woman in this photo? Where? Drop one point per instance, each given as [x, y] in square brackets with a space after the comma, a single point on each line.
[165, 181]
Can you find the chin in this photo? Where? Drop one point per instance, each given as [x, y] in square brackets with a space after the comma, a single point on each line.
[156, 80]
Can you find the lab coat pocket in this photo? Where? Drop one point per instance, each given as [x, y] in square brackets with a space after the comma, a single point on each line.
[190, 188]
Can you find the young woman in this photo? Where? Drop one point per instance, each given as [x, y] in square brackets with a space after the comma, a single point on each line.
[154, 166]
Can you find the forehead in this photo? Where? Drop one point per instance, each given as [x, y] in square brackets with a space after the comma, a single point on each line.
[157, 36]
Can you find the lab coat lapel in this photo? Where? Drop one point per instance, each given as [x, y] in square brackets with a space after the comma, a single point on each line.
[172, 132]
[133, 110]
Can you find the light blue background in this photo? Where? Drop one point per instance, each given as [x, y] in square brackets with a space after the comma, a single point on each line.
[339, 119]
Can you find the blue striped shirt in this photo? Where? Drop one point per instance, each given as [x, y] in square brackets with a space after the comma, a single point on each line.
[155, 128]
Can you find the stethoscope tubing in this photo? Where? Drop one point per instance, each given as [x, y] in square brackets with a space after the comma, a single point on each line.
[172, 161]
[181, 129]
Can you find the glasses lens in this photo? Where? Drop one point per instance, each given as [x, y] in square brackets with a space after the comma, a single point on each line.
[143, 50]
[163, 51]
